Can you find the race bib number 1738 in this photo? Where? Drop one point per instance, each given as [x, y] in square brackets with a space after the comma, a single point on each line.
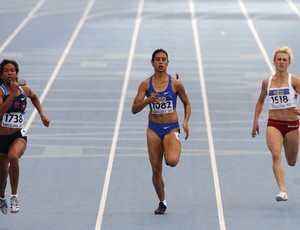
[13, 120]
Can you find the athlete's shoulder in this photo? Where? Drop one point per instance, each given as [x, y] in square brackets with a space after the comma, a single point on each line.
[146, 81]
[25, 88]
[3, 91]
[144, 85]
[295, 76]
[266, 80]
[264, 84]
[295, 81]
[176, 81]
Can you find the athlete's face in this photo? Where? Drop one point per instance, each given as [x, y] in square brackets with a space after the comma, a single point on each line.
[281, 61]
[160, 62]
[9, 73]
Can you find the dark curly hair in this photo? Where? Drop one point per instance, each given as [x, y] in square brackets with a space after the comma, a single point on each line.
[5, 62]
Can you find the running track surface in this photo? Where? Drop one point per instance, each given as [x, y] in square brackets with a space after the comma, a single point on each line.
[90, 169]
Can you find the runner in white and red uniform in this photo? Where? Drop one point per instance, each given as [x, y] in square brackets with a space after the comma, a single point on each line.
[283, 124]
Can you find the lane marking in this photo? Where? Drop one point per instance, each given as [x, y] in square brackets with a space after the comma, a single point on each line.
[119, 116]
[22, 25]
[256, 36]
[294, 7]
[207, 118]
[61, 60]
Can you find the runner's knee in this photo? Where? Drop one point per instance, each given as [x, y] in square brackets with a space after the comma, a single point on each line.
[172, 161]
[292, 162]
[12, 159]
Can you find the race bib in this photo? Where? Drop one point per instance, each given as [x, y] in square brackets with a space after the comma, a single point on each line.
[279, 98]
[162, 107]
[13, 120]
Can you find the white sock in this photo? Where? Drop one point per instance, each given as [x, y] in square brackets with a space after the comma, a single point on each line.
[16, 195]
[164, 202]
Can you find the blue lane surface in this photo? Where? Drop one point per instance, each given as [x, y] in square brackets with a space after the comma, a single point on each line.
[63, 170]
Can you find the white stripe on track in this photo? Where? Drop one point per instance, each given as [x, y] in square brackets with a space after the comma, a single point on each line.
[119, 116]
[256, 36]
[207, 118]
[21, 26]
[294, 7]
[61, 60]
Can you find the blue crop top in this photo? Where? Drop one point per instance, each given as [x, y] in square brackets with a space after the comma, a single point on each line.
[18, 104]
[167, 99]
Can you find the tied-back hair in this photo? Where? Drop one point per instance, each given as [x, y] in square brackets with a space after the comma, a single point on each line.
[5, 62]
[159, 51]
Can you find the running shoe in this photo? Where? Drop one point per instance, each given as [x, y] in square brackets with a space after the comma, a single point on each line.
[3, 205]
[14, 204]
[282, 196]
[161, 208]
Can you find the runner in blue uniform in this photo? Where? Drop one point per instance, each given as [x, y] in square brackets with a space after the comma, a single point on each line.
[160, 92]
[13, 138]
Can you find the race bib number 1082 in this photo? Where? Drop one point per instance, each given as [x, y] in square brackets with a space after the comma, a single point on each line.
[162, 107]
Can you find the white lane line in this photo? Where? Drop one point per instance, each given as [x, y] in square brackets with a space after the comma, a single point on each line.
[119, 116]
[256, 36]
[61, 60]
[21, 26]
[207, 118]
[294, 7]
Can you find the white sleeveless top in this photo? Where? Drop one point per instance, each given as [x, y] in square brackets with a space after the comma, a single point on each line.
[283, 97]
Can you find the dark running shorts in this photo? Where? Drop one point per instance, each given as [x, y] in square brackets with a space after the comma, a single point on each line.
[7, 140]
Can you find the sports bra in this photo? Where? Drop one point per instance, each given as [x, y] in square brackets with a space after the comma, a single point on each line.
[167, 99]
[283, 97]
[18, 104]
